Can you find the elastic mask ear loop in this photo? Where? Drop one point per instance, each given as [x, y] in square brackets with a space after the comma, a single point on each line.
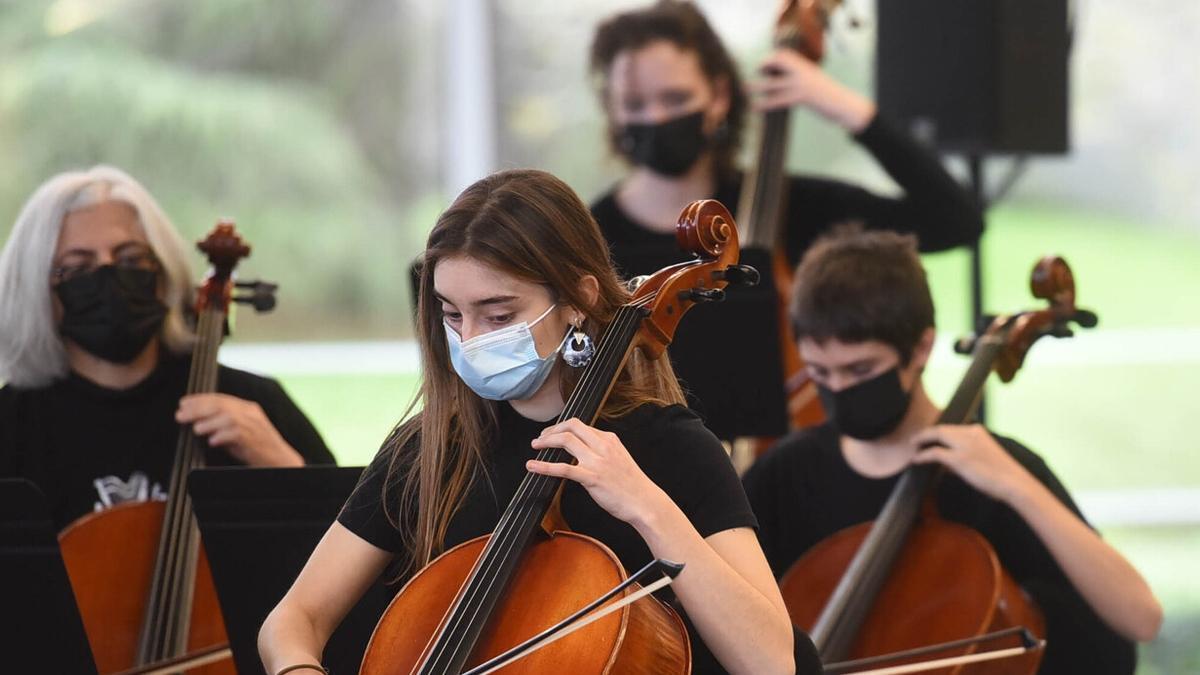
[544, 315]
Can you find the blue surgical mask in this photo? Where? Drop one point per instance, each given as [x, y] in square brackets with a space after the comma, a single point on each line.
[502, 365]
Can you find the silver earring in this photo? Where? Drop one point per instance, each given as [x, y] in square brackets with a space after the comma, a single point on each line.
[579, 349]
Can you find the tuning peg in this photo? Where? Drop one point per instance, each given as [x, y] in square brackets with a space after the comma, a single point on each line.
[703, 295]
[261, 294]
[1085, 318]
[965, 345]
[739, 275]
[1061, 330]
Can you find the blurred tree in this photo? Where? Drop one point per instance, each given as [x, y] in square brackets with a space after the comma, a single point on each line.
[290, 117]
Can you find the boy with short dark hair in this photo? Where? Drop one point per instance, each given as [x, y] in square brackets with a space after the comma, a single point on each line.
[864, 320]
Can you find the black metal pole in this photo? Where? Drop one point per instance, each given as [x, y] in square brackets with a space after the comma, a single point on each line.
[979, 191]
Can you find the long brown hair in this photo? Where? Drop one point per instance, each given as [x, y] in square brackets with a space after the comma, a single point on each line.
[531, 225]
[684, 26]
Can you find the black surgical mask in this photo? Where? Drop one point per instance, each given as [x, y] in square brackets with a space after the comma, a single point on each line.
[669, 148]
[870, 409]
[111, 312]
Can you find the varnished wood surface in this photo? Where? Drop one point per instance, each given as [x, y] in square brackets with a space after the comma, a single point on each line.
[559, 575]
[109, 556]
[946, 585]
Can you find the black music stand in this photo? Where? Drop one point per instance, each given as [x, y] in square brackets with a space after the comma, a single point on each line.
[259, 527]
[40, 625]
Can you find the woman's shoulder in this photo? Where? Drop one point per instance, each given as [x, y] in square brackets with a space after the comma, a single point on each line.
[656, 419]
[245, 384]
[13, 396]
[658, 435]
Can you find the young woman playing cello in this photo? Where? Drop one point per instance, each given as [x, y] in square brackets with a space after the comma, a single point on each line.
[512, 270]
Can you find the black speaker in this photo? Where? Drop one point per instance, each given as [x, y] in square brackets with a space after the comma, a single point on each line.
[976, 76]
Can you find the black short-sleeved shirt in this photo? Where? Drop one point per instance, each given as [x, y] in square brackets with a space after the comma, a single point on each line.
[669, 444]
[803, 490]
[741, 394]
[88, 447]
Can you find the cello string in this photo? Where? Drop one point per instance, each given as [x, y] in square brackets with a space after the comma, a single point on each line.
[504, 541]
[520, 511]
[159, 593]
[178, 503]
[504, 538]
[166, 619]
[588, 391]
[591, 391]
[173, 611]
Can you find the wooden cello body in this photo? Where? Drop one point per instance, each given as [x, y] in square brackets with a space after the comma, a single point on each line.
[645, 637]
[487, 595]
[138, 570]
[911, 579]
[946, 584]
[121, 543]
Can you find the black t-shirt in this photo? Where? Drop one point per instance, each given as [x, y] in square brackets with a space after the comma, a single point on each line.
[669, 444]
[803, 490]
[88, 447]
[742, 392]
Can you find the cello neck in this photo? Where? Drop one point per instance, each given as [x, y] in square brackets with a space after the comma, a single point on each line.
[166, 622]
[852, 600]
[524, 514]
[763, 199]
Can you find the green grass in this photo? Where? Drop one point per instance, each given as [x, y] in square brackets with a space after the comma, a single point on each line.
[353, 413]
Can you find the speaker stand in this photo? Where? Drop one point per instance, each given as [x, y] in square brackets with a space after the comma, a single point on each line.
[978, 187]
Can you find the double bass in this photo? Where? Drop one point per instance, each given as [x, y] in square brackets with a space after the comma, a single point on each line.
[762, 204]
[910, 579]
[486, 595]
[140, 576]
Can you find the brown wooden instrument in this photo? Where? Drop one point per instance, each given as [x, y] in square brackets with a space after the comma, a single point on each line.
[763, 202]
[910, 578]
[140, 576]
[487, 595]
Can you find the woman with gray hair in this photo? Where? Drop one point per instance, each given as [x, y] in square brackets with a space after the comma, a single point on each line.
[95, 345]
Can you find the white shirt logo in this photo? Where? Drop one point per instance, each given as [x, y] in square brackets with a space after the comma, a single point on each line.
[111, 490]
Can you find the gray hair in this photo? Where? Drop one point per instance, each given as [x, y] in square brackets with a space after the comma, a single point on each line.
[31, 350]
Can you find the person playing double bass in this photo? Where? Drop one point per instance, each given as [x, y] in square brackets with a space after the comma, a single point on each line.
[515, 274]
[676, 113]
[95, 340]
[864, 317]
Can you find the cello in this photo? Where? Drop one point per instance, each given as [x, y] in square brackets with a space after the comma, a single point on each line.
[881, 587]
[151, 599]
[762, 204]
[484, 596]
